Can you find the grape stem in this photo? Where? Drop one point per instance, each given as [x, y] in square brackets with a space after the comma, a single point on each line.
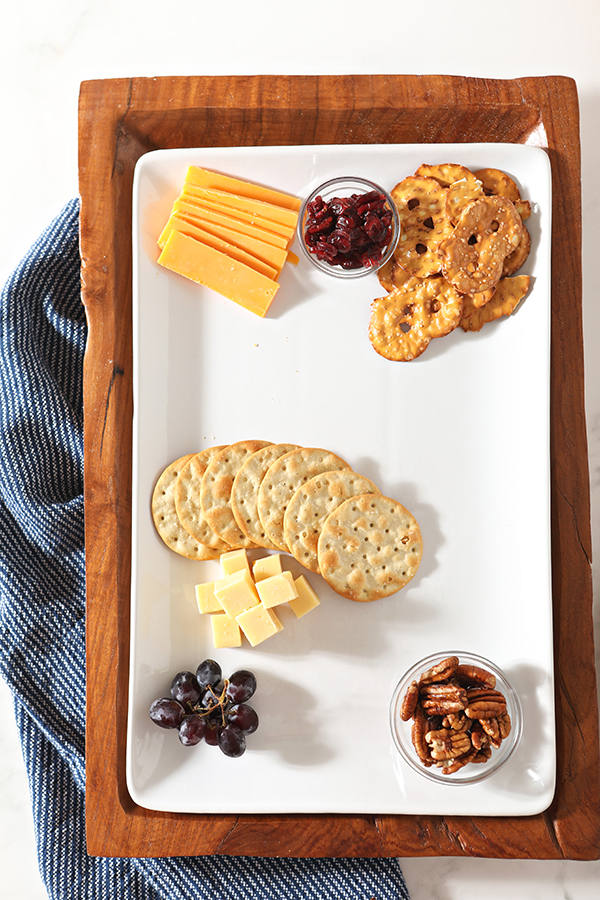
[220, 701]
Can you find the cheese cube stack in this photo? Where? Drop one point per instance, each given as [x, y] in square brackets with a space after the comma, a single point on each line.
[243, 601]
[231, 236]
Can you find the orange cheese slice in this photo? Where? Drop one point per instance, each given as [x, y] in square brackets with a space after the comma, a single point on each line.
[218, 243]
[218, 217]
[217, 271]
[214, 180]
[280, 219]
[273, 256]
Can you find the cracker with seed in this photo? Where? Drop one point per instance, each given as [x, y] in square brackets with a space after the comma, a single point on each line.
[310, 506]
[187, 499]
[244, 494]
[215, 493]
[166, 520]
[282, 480]
[369, 547]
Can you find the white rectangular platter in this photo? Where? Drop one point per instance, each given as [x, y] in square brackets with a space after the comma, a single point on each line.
[460, 436]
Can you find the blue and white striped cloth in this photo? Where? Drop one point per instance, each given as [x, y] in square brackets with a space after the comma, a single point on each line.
[42, 612]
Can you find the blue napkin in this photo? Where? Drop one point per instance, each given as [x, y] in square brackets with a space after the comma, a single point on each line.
[42, 612]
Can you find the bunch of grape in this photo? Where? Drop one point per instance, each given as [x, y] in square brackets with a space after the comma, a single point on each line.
[206, 706]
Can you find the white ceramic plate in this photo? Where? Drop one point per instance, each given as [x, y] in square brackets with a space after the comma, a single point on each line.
[459, 436]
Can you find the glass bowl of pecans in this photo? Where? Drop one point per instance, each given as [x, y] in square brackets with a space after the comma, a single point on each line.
[455, 718]
[348, 227]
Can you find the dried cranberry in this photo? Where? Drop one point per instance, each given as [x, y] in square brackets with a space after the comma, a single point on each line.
[320, 227]
[340, 240]
[374, 227]
[350, 232]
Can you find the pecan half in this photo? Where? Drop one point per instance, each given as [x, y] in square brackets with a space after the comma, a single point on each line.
[409, 702]
[453, 765]
[448, 744]
[505, 724]
[417, 733]
[497, 728]
[479, 738]
[482, 755]
[457, 721]
[442, 699]
[444, 670]
[484, 703]
[474, 676]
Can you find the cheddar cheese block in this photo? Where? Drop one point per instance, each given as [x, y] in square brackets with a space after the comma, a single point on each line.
[247, 213]
[219, 244]
[259, 623]
[226, 632]
[208, 179]
[219, 272]
[218, 217]
[268, 253]
[231, 236]
[278, 214]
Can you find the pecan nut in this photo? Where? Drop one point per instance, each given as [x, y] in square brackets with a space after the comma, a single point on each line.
[409, 702]
[444, 670]
[417, 734]
[474, 676]
[441, 699]
[448, 744]
[497, 728]
[453, 765]
[484, 703]
[457, 721]
[479, 737]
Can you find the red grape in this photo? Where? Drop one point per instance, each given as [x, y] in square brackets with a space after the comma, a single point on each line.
[231, 740]
[167, 712]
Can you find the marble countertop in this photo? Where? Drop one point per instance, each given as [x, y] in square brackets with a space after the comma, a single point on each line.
[46, 50]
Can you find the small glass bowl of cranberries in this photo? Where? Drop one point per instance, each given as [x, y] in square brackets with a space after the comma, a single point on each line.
[348, 227]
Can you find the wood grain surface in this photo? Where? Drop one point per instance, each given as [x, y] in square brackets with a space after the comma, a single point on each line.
[119, 121]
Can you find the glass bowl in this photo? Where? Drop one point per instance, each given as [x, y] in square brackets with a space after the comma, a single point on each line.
[345, 186]
[471, 773]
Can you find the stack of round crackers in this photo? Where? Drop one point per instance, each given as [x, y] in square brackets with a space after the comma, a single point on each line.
[306, 501]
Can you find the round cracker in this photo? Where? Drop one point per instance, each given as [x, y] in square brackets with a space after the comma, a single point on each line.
[166, 520]
[370, 547]
[187, 499]
[310, 506]
[244, 494]
[282, 480]
[215, 493]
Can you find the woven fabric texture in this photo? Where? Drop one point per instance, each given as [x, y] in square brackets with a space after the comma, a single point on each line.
[42, 612]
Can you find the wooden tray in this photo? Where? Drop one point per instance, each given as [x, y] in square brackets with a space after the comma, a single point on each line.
[119, 120]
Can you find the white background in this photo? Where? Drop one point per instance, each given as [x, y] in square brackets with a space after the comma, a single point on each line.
[47, 49]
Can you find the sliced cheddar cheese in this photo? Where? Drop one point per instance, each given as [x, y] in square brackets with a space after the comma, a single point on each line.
[268, 211]
[219, 272]
[273, 256]
[195, 195]
[207, 214]
[219, 244]
[208, 179]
